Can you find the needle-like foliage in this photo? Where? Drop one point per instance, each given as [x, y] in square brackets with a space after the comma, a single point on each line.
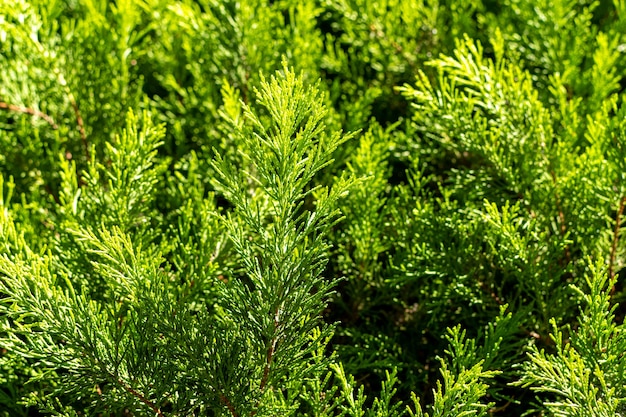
[312, 208]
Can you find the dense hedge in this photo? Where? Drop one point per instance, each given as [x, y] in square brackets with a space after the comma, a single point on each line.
[316, 208]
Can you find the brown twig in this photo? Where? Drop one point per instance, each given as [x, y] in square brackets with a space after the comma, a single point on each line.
[79, 121]
[141, 397]
[494, 410]
[618, 221]
[54, 196]
[28, 110]
[269, 357]
[228, 404]
[268, 363]
[492, 294]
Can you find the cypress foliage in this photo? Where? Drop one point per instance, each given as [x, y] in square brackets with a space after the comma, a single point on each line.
[312, 208]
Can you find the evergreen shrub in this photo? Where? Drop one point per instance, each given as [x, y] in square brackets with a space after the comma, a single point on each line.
[312, 208]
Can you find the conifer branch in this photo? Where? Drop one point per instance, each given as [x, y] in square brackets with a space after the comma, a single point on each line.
[491, 293]
[54, 196]
[268, 365]
[30, 111]
[140, 397]
[618, 220]
[79, 121]
[498, 409]
[531, 333]
[228, 404]
[270, 353]
[561, 214]
[269, 359]
[194, 268]
[379, 33]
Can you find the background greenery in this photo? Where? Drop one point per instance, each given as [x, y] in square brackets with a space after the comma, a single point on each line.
[320, 208]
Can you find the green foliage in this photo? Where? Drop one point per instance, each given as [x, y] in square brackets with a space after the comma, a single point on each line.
[186, 230]
[586, 373]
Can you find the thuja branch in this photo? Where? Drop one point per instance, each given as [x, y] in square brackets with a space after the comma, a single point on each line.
[491, 293]
[79, 117]
[270, 352]
[563, 223]
[79, 121]
[496, 298]
[268, 364]
[618, 221]
[30, 111]
[229, 405]
[140, 397]
[269, 358]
